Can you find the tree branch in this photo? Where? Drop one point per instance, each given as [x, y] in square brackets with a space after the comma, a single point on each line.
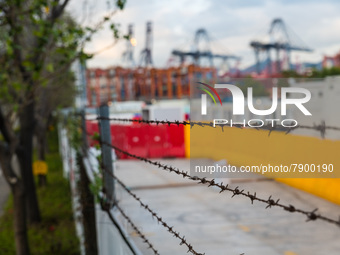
[5, 162]
[58, 10]
[12, 22]
[4, 129]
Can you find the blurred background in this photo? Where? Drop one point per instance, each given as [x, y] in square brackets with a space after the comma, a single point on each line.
[101, 127]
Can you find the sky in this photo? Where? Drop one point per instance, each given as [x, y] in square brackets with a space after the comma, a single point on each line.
[231, 25]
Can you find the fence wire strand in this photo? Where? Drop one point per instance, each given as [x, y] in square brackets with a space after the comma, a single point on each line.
[156, 216]
[139, 233]
[152, 212]
[322, 128]
[270, 202]
[135, 228]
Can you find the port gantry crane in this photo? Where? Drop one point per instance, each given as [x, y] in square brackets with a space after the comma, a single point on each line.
[281, 39]
[197, 54]
[146, 54]
[127, 55]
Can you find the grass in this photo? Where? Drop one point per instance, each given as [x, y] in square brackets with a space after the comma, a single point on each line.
[56, 233]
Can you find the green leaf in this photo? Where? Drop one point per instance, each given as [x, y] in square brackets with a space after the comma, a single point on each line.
[120, 4]
[28, 64]
[9, 48]
[16, 107]
[16, 86]
[50, 68]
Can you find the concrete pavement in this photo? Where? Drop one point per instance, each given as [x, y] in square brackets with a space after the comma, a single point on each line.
[218, 224]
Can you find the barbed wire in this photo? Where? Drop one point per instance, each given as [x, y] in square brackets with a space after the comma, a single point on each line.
[146, 207]
[270, 127]
[311, 216]
[133, 225]
[155, 215]
[270, 202]
[139, 233]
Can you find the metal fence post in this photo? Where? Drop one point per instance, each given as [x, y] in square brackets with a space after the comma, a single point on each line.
[85, 145]
[107, 163]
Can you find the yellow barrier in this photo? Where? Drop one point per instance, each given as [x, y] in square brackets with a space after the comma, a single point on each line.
[253, 147]
[40, 167]
[187, 141]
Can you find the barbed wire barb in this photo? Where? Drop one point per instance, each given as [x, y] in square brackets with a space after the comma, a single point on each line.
[135, 228]
[156, 216]
[235, 191]
[270, 127]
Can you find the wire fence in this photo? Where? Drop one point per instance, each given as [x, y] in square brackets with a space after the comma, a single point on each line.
[158, 218]
[237, 191]
[270, 202]
[322, 127]
[135, 228]
[122, 212]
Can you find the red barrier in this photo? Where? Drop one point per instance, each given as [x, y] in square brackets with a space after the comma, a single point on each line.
[88, 125]
[115, 131]
[91, 128]
[175, 141]
[137, 139]
[152, 141]
[157, 141]
[94, 127]
[119, 139]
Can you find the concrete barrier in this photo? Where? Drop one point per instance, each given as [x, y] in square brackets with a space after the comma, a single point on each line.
[253, 147]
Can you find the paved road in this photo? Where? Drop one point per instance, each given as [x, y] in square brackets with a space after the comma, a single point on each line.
[4, 191]
[218, 224]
